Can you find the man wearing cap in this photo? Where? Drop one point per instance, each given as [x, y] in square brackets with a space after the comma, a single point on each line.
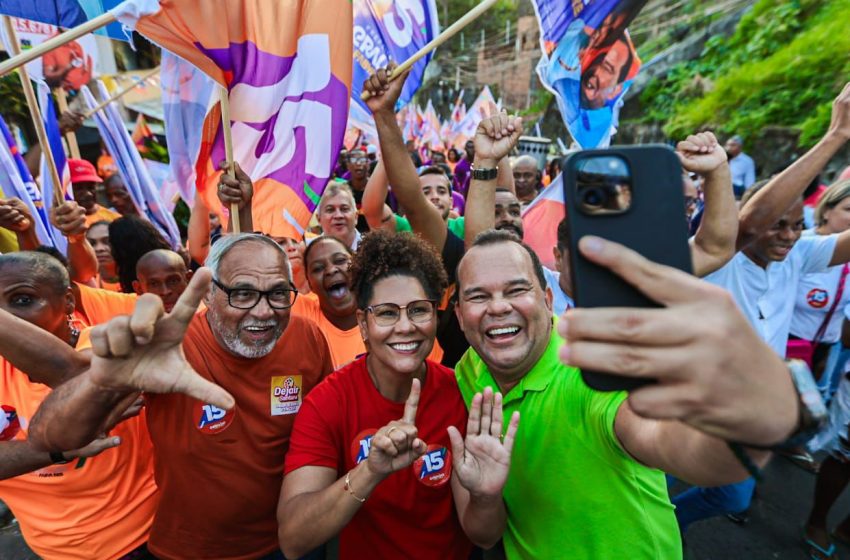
[84, 181]
[742, 166]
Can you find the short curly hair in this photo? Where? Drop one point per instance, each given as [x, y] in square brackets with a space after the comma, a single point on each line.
[383, 254]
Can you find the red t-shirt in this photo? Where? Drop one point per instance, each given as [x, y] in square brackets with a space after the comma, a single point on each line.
[219, 474]
[411, 514]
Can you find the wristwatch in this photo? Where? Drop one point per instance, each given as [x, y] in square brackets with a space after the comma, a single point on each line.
[484, 174]
[58, 458]
[813, 412]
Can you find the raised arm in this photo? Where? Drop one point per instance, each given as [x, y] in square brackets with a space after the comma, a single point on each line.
[768, 205]
[706, 389]
[237, 189]
[494, 138]
[374, 196]
[199, 231]
[714, 243]
[424, 217]
[70, 219]
[15, 216]
[133, 353]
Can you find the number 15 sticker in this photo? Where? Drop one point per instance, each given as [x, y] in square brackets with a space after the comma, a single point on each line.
[433, 469]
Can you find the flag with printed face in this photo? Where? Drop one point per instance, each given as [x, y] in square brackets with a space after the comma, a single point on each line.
[16, 181]
[287, 68]
[65, 13]
[541, 218]
[478, 111]
[588, 62]
[131, 167]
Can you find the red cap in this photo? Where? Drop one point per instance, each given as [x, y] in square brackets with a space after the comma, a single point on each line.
[83, 172]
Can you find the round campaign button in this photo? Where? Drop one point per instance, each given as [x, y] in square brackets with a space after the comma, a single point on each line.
[210, 419]
[361, 444]
[433, 469]
[817, 298]
[10, 425]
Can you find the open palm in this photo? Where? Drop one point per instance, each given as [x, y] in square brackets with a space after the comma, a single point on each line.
[482, 461]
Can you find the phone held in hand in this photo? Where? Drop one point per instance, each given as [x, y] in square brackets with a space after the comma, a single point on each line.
[634, 196]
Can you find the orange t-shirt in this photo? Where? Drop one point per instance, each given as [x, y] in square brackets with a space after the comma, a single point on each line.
[345, 345]
[220, 472]
[101, 214]
[110, 286]
[99, 305]
[100, 507]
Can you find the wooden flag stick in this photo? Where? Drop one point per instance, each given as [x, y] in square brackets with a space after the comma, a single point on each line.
[142, 79]
[228, 152]
[19, 59]
[35, 114]
[447, 34]
[70, 137]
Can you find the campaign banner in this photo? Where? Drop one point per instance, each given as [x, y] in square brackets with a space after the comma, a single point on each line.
[391, 30]
[588, 62]
[65, 13]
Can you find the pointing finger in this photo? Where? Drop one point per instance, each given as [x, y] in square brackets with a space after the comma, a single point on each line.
[412, 403]
[148, 310]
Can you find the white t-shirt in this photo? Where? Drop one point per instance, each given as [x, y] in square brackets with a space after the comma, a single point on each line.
[766, 295]
[560, 300]
[815, 298]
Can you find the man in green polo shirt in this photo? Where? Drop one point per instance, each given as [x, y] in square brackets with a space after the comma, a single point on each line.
[587, 474]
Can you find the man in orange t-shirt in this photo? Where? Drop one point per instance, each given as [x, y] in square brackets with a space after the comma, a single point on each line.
[219, 471]
[84, 182]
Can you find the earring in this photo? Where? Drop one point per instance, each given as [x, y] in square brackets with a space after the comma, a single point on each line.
[75, 332]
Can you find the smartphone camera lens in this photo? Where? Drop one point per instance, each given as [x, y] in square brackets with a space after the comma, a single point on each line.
[593, 197]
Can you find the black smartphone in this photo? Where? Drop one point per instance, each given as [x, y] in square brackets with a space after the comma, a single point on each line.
[632, 195]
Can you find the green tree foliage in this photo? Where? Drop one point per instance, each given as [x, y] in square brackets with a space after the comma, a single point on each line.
[783, 66]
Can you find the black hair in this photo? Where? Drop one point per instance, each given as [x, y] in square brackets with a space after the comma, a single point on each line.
[496, 236]
[318, 240]
[42, 263]
[564, 234]
[383, 254]
[130, 237]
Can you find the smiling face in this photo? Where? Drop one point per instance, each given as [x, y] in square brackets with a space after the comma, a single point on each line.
[774, 244]
[400, 348]
[338, 217]
[249, 333]
[438, 192]
[328, 275]
[503, 310]
[600, 83]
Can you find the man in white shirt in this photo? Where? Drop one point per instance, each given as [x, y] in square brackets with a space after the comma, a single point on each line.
[742, 166]
[764, 277]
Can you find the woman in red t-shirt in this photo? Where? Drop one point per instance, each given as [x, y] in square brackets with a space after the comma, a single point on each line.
[376, 455]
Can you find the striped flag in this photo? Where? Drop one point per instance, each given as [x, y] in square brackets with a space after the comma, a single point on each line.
[287, 68]
[137, 179]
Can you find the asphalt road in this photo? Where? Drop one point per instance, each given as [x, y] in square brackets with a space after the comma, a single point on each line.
[773, 531]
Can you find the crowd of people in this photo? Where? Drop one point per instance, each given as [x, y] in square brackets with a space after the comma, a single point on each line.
[406, 378]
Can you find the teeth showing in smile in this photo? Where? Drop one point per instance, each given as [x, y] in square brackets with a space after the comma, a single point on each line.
[337, 291]
[405, 347]
[256, 329]
[503, 331]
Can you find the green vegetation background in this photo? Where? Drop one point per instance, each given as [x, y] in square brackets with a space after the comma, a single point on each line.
[785, 63]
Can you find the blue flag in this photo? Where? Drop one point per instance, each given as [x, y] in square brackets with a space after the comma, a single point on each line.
[65, 13]
[391, 30]
[132, 169]
[16, 181]
[588, 62]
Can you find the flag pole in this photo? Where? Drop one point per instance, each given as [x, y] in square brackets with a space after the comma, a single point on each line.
[447, 34]
[35, 114]
[19, 59]
[142, 79]
[228, 152]
[71, 137]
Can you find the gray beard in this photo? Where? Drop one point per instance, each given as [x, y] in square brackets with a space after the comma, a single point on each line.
[232, 342]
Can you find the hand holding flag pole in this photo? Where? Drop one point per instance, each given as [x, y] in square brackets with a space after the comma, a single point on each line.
[228, 152]
[35, 113]
[447, 34]
[142, 79]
